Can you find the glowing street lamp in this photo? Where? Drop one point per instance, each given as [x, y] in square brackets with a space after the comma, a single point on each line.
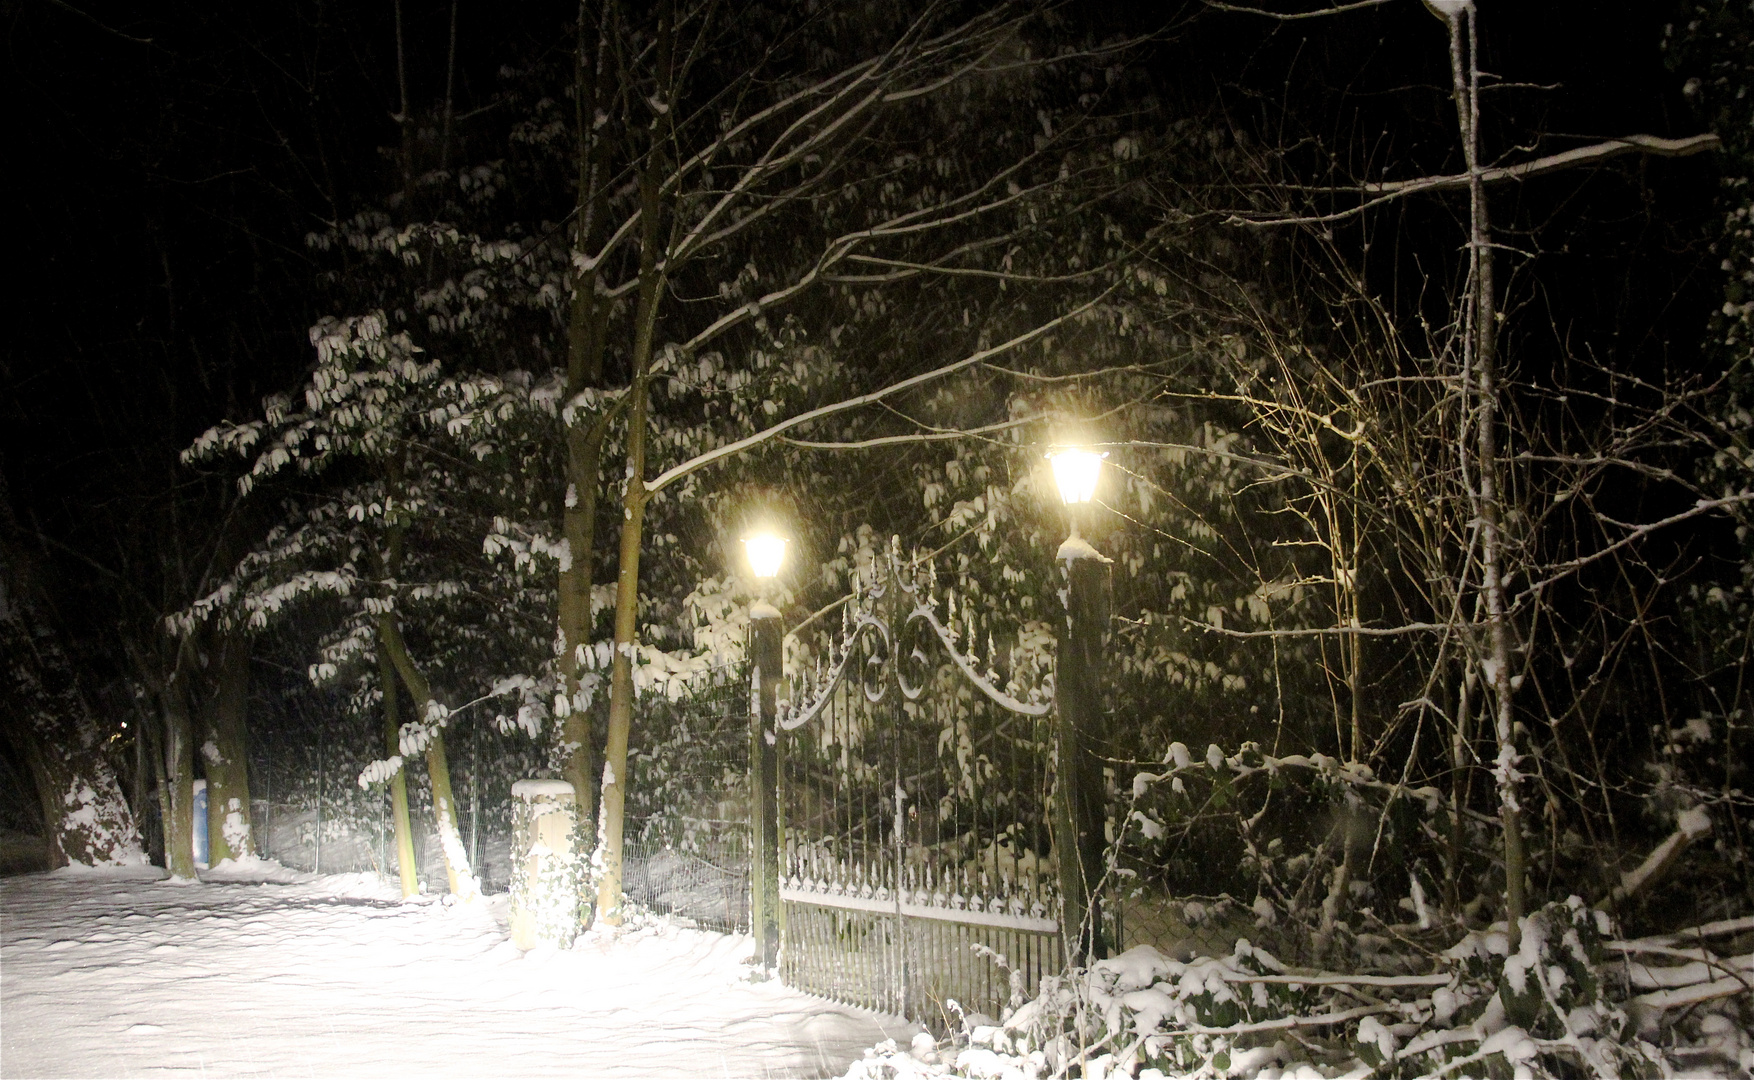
[766, 553]
[1075, 474]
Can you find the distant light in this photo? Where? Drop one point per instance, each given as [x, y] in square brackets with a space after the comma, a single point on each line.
[1075, 472]
[766, 552]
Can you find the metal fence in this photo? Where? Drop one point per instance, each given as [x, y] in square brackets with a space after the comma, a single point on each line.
[686, 846]
[1181, 927]
[309, 812]
[707, 886]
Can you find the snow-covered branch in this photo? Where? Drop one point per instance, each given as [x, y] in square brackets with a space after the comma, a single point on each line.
[700, 461]
[1386, 191]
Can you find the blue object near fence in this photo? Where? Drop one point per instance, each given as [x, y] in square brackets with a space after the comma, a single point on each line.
[201, 849]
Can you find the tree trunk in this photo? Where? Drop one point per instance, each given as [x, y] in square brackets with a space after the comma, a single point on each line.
[1482, 332]
[621, 679]
[633, 499]
[48, 790]
[438, 770]
[405, 864]
[178, 799]
[225, 754]
[587, 332]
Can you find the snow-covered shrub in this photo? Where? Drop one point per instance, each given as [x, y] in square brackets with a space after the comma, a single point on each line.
[1321, 845]
[1563, 1004]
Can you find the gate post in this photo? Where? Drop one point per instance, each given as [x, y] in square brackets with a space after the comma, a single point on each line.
[764, 825]
[545, 868]
[1079, 794]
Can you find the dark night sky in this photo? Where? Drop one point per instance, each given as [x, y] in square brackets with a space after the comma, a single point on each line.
[160, 191]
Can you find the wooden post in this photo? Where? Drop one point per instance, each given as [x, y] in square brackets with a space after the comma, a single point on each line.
[1079, 795]
[764, 825]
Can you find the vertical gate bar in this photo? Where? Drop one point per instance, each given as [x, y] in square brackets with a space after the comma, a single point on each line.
[983, 975]
[821, 936]
[984, 969]
[970, 975]
[896, 846]
[820, 979]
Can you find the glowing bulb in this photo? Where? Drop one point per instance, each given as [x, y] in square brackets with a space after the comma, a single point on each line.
[766, 552]
[1075, 472]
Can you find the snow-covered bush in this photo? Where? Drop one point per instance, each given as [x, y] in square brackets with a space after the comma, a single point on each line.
[1563, 1004]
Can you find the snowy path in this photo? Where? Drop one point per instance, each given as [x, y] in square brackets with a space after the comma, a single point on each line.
[117, 974]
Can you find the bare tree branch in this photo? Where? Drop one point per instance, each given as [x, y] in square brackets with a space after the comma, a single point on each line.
[935, 435]
[700, 461]
[1596, 153]
[1293, 16]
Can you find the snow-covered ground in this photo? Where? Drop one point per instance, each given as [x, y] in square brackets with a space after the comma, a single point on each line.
[270, 973]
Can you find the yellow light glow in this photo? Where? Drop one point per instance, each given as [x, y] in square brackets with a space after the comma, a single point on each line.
[1075, 472]
[766, 552]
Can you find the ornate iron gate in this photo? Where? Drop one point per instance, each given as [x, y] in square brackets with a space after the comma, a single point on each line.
[915, 779]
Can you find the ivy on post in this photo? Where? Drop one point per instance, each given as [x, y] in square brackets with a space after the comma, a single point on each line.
[764, 869]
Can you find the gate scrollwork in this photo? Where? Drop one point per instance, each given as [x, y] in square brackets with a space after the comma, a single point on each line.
[918, 863]
[867, 645]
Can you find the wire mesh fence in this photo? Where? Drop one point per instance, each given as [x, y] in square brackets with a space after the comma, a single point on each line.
[309, 811]
[686, 851]
[1180, 927]
[706, 887]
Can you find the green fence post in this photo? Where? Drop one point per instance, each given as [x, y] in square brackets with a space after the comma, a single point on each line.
[1079, 794]
[764, 827]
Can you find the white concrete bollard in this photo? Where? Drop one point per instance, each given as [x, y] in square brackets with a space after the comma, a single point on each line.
[545, 868]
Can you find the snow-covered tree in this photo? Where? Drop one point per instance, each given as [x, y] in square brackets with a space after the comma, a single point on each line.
[49, 723]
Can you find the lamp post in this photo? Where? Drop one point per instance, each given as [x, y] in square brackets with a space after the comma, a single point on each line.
[1079, 792]
[766, 553]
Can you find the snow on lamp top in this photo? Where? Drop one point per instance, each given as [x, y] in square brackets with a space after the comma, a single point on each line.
[766, 552]
[1075, 472]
